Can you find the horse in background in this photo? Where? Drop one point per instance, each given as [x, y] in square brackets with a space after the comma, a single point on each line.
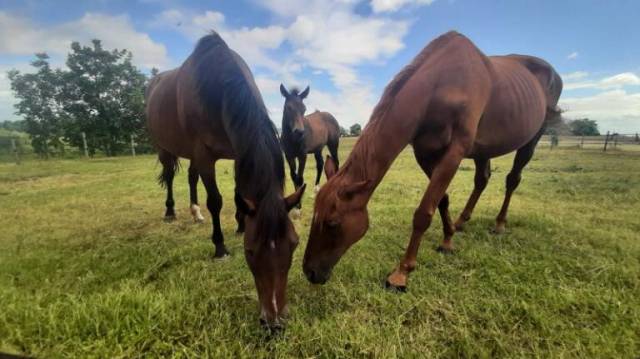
[208, 109]
[306, 134]
[451, 102]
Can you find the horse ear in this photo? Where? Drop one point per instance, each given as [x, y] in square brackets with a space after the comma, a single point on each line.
[284, 91]
[330, 167]
[246, 206]
[348, 191]
[305, 93]
[295, 198]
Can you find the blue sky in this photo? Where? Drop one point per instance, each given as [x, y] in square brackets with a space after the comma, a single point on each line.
[348, 50]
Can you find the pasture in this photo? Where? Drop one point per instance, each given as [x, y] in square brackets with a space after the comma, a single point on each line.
[89, 269]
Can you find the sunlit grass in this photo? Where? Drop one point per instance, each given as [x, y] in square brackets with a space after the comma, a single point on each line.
[88, 268]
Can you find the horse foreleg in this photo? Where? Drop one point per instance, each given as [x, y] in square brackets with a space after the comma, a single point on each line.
[480, 180]
[214, 204]
[239, 214]
[442, 175]
[193, 194]
[443, 207]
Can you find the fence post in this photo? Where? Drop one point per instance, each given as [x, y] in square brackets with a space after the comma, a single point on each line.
[14, 148]
[615, 140]
[582, 142]
[133, 146]
[84, 144]
[606, 141]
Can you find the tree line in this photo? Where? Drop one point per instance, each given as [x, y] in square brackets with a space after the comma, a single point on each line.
[100, 94]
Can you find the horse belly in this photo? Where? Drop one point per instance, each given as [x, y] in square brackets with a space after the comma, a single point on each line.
[514, 115]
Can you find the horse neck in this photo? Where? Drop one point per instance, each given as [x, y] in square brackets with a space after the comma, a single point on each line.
[381, 142]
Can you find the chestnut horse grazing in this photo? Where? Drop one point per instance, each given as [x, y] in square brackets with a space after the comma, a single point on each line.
[451, 102]
[210, 108]
[306, 134]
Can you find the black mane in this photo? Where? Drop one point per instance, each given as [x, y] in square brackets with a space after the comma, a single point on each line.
[226, 89]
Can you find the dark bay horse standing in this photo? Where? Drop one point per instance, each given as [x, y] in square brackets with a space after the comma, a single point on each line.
[451, 102]
[210, 108]
[306, 134]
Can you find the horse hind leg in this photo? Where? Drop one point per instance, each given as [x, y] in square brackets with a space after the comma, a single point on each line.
[481, 178]
[523, 156]
[319, 168]
[333, 151]
[193, 194]
[169, 168]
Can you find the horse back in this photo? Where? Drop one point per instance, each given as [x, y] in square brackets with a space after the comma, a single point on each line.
[162, 116]
[320, 128]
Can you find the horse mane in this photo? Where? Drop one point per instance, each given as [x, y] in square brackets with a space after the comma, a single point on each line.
[226, 88]
[363, 147]
[407, 72]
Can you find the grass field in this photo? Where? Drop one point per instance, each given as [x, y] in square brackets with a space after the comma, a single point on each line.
[88, 268]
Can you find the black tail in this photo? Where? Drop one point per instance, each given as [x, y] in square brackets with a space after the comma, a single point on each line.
[170, 165]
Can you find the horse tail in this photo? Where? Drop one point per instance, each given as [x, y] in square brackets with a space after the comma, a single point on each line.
[170, 165]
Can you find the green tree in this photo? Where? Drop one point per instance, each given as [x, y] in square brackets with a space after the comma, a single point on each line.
[355, 130]
[343, 132]
[584, 127]
[38, 103]
[104, 98]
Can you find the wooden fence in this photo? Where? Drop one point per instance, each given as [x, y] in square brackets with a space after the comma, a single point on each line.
[607, 142]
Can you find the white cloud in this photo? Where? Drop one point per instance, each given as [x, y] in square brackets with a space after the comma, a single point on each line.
[615, 110]
[325, 36]
[379, 6]
[572, 56]
[578, 80]
[21, 36]
[253, 44]
[578, 75]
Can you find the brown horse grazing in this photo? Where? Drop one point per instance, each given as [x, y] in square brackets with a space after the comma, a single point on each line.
[210, 108]
[306, 134]
[451, 102]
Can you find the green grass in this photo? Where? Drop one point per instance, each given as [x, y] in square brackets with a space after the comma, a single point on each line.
[88, 268]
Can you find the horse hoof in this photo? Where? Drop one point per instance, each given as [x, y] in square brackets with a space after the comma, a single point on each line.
[295, 213]
[221, 253]
[500, 229]
[170, 218]
[395, 288]
[444, 250]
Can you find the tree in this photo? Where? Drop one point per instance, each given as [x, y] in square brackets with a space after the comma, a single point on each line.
[343, 132]
[104, 98]
[38, 94]
[355, 130]
[584, 127]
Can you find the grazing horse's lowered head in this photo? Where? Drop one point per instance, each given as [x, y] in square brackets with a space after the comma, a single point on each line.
[209, 109]
[293, 113]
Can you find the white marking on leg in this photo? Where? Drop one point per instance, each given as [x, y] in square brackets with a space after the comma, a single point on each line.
[195, 212]
[316, 189]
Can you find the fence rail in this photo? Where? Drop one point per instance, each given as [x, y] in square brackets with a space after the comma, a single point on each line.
[622, 142]
[18, 148]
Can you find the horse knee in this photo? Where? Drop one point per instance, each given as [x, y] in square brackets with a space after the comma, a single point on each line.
[421, 220]
[513, 180]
